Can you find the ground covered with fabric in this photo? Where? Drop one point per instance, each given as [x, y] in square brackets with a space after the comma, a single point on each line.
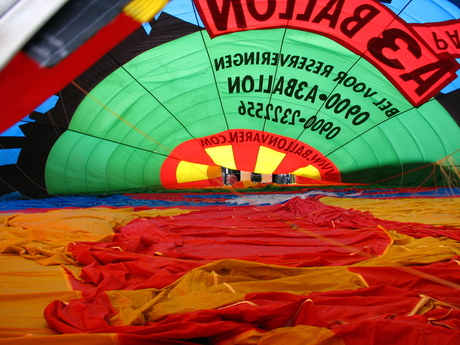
[343, 267]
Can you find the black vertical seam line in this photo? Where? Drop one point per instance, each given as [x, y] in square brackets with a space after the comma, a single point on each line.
[212, 69]
[115, 142]
[215, 84]
[360, 57]
[151, 94]
[276, 69]
[88, 172]
[371, 128]
[330, 93]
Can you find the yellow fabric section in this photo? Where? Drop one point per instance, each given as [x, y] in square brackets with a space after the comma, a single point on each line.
[300, 335]
[268, 160]
[224, 283]
[44, 236]
[296, 335]
[407, 251]
[250, 337]
[24, 276]
[434, 211]
[214, 172]
[309, 171]
[152, 213]
[144, 10]
[189, 172]
[222, 155]
[26, 288]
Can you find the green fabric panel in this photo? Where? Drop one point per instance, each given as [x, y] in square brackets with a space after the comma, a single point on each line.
[414, 138]
[94, 165]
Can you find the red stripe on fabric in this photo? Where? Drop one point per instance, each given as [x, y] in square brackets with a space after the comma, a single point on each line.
[24, 85]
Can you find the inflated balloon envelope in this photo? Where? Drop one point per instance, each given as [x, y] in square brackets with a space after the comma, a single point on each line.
[339, 91]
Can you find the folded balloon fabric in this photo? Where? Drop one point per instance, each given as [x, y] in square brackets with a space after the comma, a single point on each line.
[302, 272]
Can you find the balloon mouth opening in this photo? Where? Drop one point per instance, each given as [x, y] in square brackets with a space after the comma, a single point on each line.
[250, 155]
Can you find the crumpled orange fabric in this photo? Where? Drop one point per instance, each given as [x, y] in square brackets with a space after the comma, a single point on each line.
[351, 273]
[434, 211]
[44, 236]
[215, 285]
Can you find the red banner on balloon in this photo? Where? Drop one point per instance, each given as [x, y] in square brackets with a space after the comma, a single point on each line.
[367, 28]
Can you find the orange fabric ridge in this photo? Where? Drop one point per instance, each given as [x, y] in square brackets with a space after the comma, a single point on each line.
[304, 271]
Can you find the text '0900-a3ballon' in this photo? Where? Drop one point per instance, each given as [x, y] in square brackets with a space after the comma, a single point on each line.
[359, 91]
